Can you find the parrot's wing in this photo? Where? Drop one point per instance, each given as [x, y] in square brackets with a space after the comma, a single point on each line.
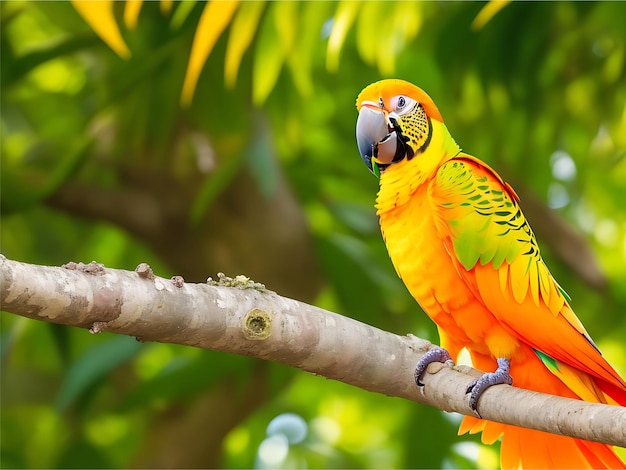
[496, 254]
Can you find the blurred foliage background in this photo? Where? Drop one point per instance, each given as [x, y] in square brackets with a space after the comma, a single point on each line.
[257, 173]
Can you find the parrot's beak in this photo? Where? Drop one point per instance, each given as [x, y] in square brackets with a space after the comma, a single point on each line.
[371, 128]
[375, 137]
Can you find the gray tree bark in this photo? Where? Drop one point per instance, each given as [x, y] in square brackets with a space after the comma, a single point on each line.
[240, 316]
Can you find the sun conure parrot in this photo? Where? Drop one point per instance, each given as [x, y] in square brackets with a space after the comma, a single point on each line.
[459, 241]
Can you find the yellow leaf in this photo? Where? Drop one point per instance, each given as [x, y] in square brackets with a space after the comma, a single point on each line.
[487, 12]
[99, 16]
[344, 17]
[241, 34]
[131, 13]
[214, 19]
[166, 6]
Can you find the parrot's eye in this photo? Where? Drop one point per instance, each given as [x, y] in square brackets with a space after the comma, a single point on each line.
[402, 104]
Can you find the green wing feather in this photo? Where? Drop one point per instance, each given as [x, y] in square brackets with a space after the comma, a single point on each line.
[485, 225]
[480, 220]
[481, 225]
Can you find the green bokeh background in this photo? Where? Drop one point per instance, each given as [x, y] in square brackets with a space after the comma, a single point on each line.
[100, 162]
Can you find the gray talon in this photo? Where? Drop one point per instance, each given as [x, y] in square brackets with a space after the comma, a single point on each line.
[499, 376]
[436, 354]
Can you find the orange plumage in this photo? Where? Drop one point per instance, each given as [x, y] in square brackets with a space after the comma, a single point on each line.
[462, 246]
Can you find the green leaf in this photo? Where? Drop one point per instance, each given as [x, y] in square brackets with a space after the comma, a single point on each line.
[300, 59]
[181, 13]
[366, 42]
[286, 22]
[270, 51]
[94, 364]
[342, 22]
[405, 20]
[15, 68]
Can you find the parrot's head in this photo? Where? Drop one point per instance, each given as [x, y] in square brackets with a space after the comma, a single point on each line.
[394, 123]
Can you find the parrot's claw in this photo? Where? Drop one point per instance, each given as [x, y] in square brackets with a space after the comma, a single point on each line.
[499, 376]
[436, 354]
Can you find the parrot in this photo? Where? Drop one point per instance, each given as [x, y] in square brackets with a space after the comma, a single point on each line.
[459, 241]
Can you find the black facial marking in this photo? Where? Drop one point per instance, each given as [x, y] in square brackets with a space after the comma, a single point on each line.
[402, 149]
[420, 133]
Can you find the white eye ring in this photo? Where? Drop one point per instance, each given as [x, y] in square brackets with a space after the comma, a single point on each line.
[402, 104]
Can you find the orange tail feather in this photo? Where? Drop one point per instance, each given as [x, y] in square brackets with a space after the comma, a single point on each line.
[526, 448]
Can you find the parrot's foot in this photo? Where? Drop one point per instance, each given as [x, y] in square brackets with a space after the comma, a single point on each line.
[499, 376]
[436, 354]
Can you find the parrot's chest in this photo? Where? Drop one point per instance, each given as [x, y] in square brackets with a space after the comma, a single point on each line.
[422, 261]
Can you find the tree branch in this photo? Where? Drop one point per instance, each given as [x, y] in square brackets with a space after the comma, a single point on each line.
[241, 317]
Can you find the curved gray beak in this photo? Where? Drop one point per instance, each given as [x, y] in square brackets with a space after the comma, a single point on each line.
[373, 136]
[371, 128]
